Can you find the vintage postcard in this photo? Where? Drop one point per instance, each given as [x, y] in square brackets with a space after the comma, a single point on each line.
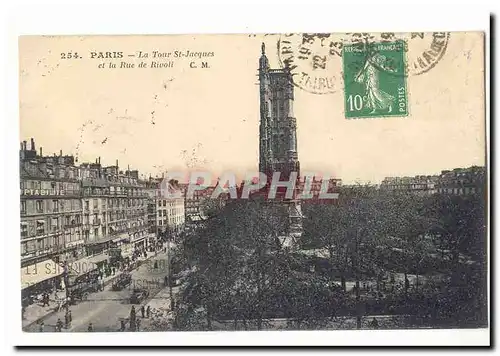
[244, 182]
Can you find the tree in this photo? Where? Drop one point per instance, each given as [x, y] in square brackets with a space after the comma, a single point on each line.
[405, 222]
[240, 260]
[458, 224]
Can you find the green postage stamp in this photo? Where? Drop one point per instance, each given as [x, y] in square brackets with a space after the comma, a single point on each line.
[375, 80]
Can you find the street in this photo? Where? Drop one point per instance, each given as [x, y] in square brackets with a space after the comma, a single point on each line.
[105, 309]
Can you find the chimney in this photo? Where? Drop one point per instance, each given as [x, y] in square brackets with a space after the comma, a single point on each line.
[41, 152]
[60, 153]
[24, 145]
[116, 164]
[33, 144]
[21, 146]
[96, 160]
[99, 161]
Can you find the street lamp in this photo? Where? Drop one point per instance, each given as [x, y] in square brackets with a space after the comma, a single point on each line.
[169, 271]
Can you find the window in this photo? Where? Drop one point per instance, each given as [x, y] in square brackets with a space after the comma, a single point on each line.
[39, 206]
[31, 228]
[54, 224]
[23, 207]
[68, 220]
[55, 205]
[24, 248]
[24, 229]
[40, 227]
[41, 244]
[96, 204]
[96, 232]
[86, 205]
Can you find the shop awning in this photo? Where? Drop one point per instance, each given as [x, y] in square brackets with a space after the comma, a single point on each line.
[140, 238]
[121, 237]
[39, 272]
[99, 258]
[127, 253]
[86, 265]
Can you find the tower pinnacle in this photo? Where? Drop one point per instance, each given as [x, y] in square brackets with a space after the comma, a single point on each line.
[263, 48]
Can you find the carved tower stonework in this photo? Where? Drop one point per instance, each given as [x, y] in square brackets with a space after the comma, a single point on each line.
[278, 133]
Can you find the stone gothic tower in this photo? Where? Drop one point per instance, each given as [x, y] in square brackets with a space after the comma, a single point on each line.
[278, 127]
[278, 133]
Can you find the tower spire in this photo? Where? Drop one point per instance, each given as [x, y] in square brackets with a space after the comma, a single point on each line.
[263, 48]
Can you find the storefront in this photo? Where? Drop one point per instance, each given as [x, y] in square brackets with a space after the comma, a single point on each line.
[90, 265]
[39, 278]
[139, 242]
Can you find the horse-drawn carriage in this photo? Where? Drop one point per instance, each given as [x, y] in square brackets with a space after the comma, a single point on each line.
[81, 290]
[122, 281]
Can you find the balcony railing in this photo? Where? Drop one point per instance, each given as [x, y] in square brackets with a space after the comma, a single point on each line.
[72, 224]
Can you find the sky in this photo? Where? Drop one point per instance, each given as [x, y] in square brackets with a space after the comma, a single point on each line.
[182, 118]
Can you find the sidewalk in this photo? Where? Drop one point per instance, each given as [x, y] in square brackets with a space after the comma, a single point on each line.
[160, 309]
[35, 312]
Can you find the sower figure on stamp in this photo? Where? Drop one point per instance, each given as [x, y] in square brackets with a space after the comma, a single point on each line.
[375, 98]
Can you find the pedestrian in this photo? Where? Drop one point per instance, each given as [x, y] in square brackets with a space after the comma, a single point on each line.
[143, 311]
[407, 284]
[122, 325]
[45, 300]
[114, 270]
[148, 311]
[41, 326]
[59, 325]
[132, 319]
[70, 316]
[138, 327]
[90, 328]
[66, 321]
[374, 323]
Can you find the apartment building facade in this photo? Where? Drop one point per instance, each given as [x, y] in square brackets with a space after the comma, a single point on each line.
[50, 207]
[77, 215]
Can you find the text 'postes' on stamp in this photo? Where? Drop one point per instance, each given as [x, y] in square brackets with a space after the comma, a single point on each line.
[375, 80]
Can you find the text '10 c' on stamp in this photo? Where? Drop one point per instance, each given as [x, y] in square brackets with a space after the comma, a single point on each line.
[375, 80]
